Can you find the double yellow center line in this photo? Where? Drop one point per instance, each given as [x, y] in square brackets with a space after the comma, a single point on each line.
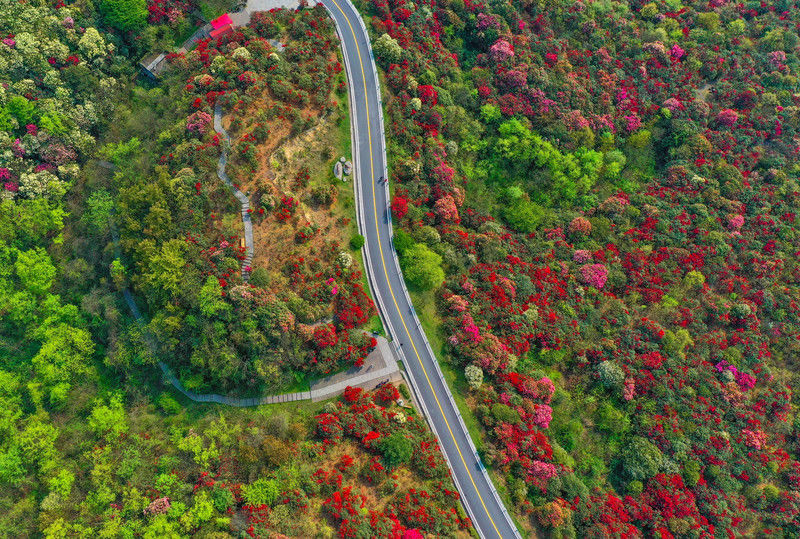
[386, 272]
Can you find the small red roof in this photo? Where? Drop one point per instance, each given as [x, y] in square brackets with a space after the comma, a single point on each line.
[222, 20]
[221, 31]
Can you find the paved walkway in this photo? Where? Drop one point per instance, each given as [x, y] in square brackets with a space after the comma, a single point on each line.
[243, 200]
[379, 366]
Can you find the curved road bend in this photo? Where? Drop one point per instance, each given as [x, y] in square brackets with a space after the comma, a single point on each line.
[487, 512]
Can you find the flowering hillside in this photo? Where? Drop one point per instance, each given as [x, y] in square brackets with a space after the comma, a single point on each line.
[609, 190]
[109, 191]
[303, 309]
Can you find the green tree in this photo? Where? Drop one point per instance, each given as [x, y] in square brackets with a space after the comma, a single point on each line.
[35, 270]
[222, 498]
[211, 301]
[12, 470]
[261, 492]
[503, 413]
[402, 241]
[21, 109]
[53, 123]
[611, 420]
[5, 119]
[110, 419]
[124, 15]
[98, 213]
[523, 215]
[122, 152]
[357, 242]
[422, 267]
[396, 448]
[24, 223]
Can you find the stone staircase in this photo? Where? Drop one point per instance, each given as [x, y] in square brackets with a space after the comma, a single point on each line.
[247, 263]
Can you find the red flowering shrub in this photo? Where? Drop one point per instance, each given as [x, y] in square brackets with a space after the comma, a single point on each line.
[363, 418]
[286, 208]
[667, 309]
[399, 206]
[427, 94]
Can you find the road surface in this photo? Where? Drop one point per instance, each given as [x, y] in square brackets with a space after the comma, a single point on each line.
[487, 512]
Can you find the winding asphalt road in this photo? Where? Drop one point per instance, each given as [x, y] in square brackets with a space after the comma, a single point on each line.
[480, 498]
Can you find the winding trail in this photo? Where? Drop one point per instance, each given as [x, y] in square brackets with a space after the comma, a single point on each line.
[480, 498]
[241, 197]
[379, 366]
[153, 345]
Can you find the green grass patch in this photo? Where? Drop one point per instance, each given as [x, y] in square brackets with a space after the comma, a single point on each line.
[426, 311]
[301, 382]
[211, 9]
[376, 326]
[429, 318]
[183, 34]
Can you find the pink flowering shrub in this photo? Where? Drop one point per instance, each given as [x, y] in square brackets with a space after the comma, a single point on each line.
[594, 275]
[198, 122]
[501, 51]
[735, 221]
[446, 210]
[581, 256]
[580, 225]
[542, 416]
[727, 117]
[159, 506]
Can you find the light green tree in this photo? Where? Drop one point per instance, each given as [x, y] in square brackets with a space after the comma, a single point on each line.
[62, 482]
[211, 301]
[474, 376]
[261, 492]
[92, 43]
[641, 460]
[201, 511]
[124, 15]
[422, 267]
[166, 268]
[109, 420]
[387, 49]
[37, 445]
[35, 270]
[65, 354]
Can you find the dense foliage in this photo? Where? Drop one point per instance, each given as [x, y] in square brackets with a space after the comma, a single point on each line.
[179, 227]
[92, 442]
[55, 97]
[231, 474]
[612, 190]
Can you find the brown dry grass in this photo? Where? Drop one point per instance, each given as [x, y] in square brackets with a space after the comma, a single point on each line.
[279, 159]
